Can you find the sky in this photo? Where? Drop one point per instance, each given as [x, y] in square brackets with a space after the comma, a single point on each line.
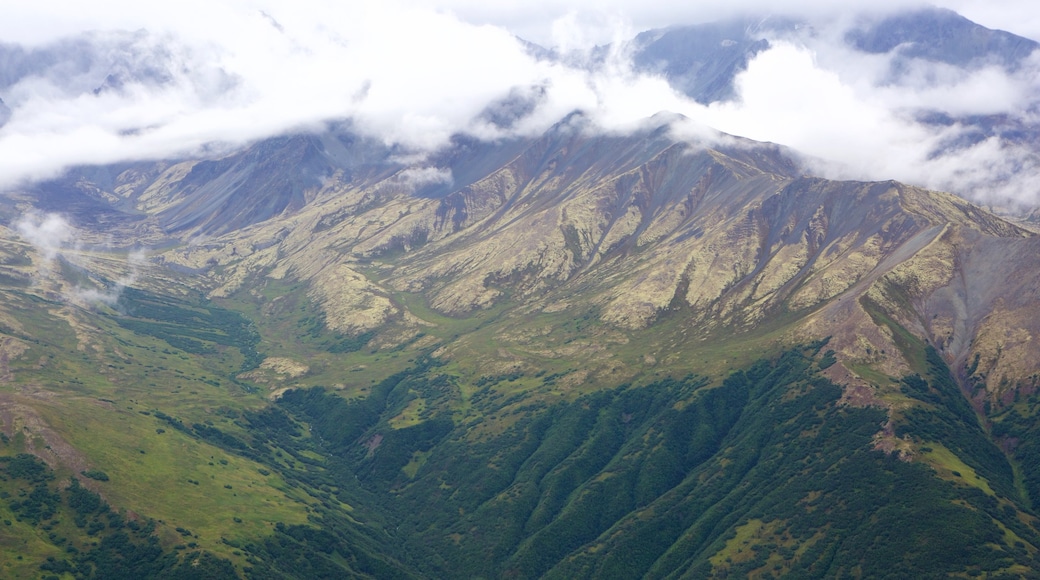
[225, 73]
[535, 20]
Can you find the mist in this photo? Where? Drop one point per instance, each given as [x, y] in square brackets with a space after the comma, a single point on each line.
[123, 82]
[49, 233]
[52, 236]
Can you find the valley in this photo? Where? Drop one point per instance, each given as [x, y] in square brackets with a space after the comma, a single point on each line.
[409, 385]
[661, 351]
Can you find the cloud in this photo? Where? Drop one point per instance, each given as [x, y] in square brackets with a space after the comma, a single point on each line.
[415, 73]
[49, 234]
[858, 124]
[415, 178]
[52, 236]
[88, 297]
[537, 20]
[110, 293]
[412, 76]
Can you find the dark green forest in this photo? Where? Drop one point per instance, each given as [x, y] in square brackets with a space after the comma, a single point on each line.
[764, 474]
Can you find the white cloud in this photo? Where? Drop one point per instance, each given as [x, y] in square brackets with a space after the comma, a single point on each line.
[409, 75]
[417, 72]
[109, 295]
[536, 19]
[786, 98]
[414, 178]
[52, 235]
[859, 127]
[49, 234]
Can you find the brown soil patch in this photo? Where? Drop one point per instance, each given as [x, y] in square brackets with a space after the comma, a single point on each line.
[18, 416]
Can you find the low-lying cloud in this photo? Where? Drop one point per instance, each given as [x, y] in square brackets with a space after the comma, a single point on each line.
[49, 233]
[53, 237]
[856, 126]
[417, 177]
[108, 295]
[414, 74]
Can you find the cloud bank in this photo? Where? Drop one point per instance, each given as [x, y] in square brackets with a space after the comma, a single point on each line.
[857, 124]
[415, 73]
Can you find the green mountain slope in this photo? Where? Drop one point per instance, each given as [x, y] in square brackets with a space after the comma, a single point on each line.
[578, 355]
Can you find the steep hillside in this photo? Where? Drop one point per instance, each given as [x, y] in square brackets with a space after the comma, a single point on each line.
[577, 355]
[640, 230]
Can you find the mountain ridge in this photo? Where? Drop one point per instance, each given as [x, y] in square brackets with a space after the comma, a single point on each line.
[659, 352]
[642, 225]
[538, 317]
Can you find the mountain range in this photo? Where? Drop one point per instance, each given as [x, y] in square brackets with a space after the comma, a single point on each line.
[663, 352]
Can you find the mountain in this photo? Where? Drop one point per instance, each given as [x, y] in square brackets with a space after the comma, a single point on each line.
[941, 35]
[96, 62]
[703, 60]
[913, 49]
[522, 330]
[665, 352]
[643, 228]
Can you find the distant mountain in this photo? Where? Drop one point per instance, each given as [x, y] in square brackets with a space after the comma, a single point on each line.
[110, 62]
[228, 194]
[941, 35]
[88, 63]
[702, 60]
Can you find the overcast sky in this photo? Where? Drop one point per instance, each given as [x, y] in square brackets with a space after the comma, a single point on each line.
[533, 19]
[40, 20]
[415, 72]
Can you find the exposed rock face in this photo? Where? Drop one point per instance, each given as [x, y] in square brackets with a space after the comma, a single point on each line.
[722, 238]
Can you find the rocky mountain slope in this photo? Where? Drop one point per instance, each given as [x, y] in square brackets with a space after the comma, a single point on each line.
[526, 276]
[665, 353]
[720, 238]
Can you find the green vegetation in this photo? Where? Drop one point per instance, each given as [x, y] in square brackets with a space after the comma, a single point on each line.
[830, 506]
[652, 480]
[195, 329]
[948, 418]
[95, 474]
[84, 537]
[421, 467]
[529, 395]
[1018, 430]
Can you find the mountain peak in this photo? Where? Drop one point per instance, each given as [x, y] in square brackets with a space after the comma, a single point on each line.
[941, 35]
